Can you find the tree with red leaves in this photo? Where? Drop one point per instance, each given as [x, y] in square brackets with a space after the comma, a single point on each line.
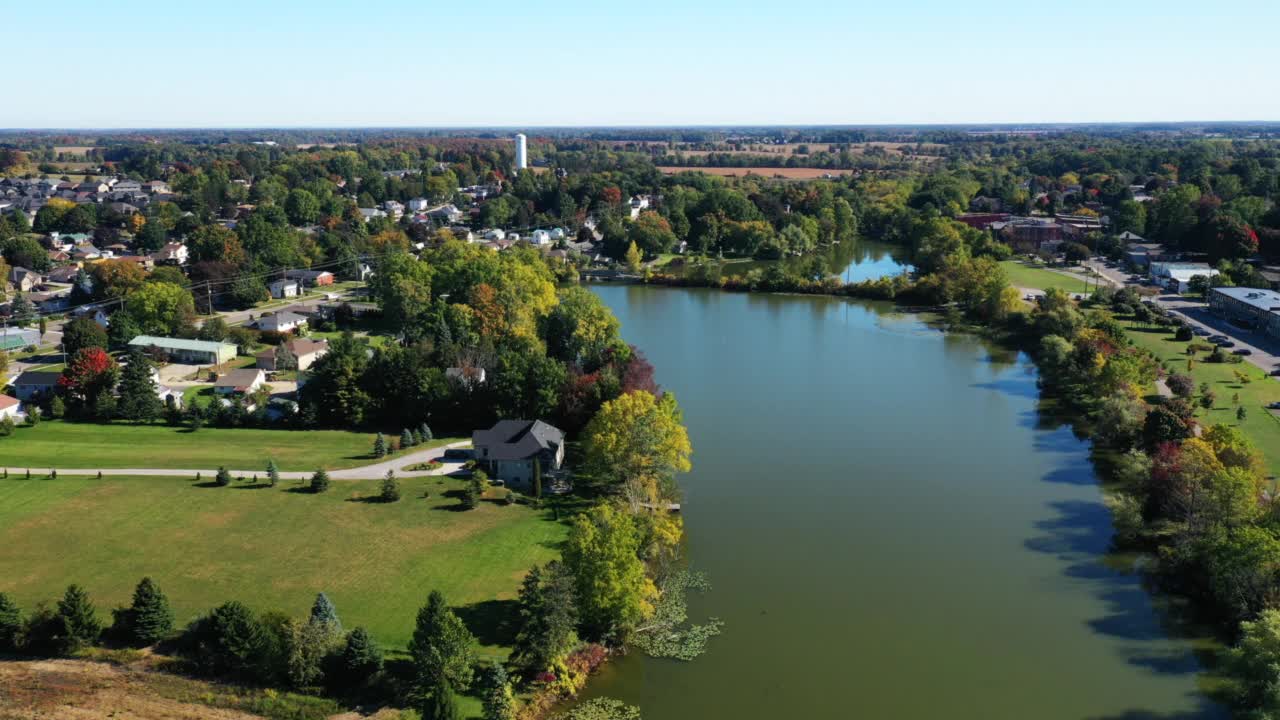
[90, 373]
[638, 374]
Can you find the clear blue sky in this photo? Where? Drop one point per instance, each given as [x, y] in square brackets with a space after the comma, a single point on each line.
[237, 63]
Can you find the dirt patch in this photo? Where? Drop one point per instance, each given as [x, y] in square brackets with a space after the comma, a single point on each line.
[79, 690]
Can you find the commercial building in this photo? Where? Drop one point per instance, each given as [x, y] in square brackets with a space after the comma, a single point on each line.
[13, 338]
[1176, 276]
[195, 352]
[1251, 307]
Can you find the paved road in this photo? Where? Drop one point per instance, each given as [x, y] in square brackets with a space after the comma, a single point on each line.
[364, 472]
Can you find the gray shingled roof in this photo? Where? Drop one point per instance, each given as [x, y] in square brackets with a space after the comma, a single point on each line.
[518, 439]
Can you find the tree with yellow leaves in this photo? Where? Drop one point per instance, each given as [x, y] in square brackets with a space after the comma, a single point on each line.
[633, 257]
[635, 443]
[602, 555]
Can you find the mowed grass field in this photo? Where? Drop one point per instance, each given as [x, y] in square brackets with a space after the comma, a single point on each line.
[88, 446]
[1260, 423]
[274, 548]
[1024, 275]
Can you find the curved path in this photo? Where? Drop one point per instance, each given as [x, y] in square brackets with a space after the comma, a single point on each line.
[364, 472]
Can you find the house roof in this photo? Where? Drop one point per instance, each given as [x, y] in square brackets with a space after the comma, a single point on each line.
[281, 318]
[180, 344]
[300, 348]
[7, 402]
[518, 439]
[240, 379]
[37, 378]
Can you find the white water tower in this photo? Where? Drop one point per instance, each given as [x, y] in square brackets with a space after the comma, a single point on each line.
[522, 152]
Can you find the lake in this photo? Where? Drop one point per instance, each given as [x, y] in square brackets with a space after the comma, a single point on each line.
[891, 527]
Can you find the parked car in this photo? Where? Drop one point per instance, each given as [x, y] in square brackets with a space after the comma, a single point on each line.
[1224, 343]
[457, 454]
[1274, 405]
[1242, 351]
[1200, 331]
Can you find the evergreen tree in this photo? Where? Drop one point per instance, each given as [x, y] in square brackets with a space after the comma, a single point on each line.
[441, 648]
[223, 478]
[441, 704]
[230, 639]
[323, 612]
[426, 433]
[150, 619]
[273, 472]
[361, 658]
[138, 399]
[417, 437]
[390, 488]
[548, 618]
[10, 623]
[406, 439]
[320, 481]
[499, 704]
[80, 626]
[537, 478]
[475, 490]
[379, 446]
[21, 311]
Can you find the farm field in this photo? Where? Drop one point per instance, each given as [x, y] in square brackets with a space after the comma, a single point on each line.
[274, 548]
[90, 445]
[788, 173]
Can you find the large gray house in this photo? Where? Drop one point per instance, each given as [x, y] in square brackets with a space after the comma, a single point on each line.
[508, 450]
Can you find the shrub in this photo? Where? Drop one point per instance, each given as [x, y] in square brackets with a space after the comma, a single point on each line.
[1183, 333]
[223, 477]
[10, 624]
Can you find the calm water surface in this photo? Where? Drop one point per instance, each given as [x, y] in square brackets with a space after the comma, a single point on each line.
[890, 528]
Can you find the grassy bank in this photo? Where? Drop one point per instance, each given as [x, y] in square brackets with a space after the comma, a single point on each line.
[89, 445]
[1260, 424]
[274, 548]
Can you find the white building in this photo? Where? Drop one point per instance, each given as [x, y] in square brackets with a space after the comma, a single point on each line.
[522, 152]
[541, 237]
[284, 288]
[1177, 276]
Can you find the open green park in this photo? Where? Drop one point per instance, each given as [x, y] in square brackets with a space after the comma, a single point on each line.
[1260, 423]
[274, 548]
[64, 444]
[1027, 275]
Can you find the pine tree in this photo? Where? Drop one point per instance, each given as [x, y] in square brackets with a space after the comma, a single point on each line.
[10, 623]
[441, 704]
[390, 488]
[361, 658]
[323, 612]
[320, 481]
[426, 433]
[475, 490]
[273, 472]
[417, 437]
[499, 704]
[379, 446]
[80, 626]
[548, 618]
[150, 618]
[138, 399]
[537, 477]
[441, 648]
[406, 439]
[1241, 414]
[223, 478]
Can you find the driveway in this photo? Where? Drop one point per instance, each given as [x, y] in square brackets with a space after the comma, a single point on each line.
[364, 472]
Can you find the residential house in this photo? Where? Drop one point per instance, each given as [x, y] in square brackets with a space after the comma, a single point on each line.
[639, 203]
[195, 352]
[146, 262]
[64, 275]
[243, 381]
[172, 254]
[284, 288]
[23, 279]
[419, 204]
[160, 187]
[310, 278]
[469, 376]
[36, 386]
[511, 449]
[1129, 236]
[10, 407]
[1141, 254]
[281, 322]
[540, 237]
[305, 350]
[446, 214]
[368, 214]
[51, 302]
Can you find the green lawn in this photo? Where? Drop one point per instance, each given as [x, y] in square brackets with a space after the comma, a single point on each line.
[1025, 275]
[1260, 424]
[274, 548]
[89, 445]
